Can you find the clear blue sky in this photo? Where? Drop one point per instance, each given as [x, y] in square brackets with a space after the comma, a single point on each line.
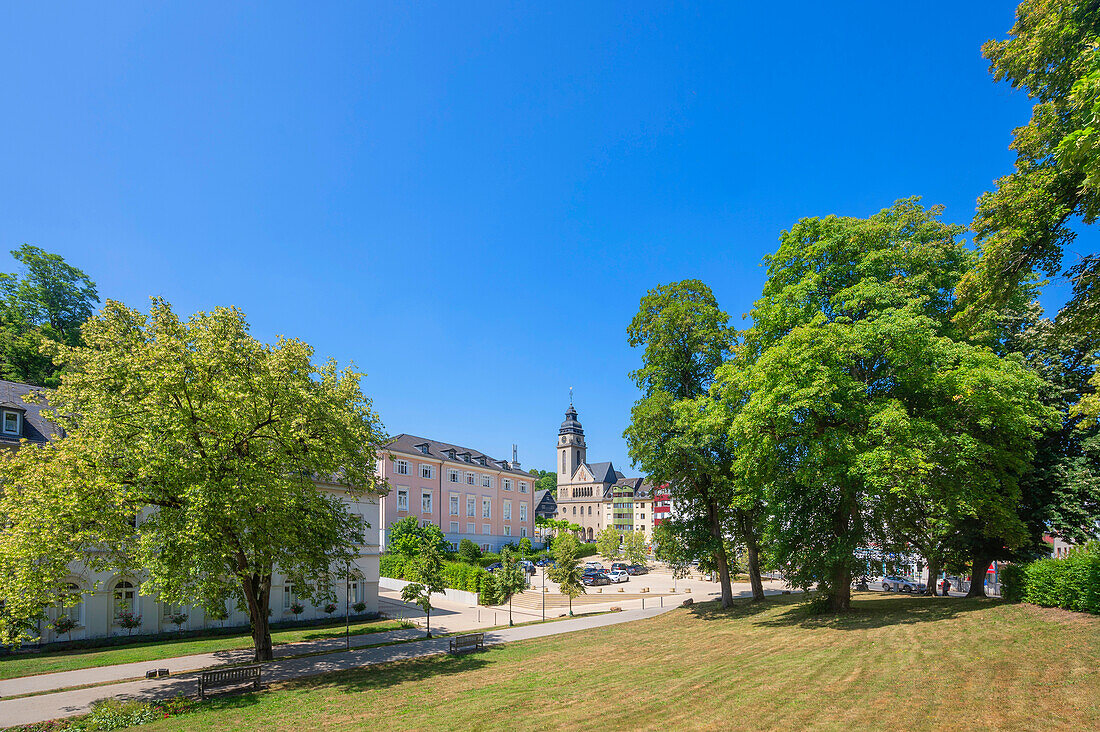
[468, 200]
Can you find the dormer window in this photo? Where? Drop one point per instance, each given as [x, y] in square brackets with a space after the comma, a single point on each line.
[423, 448]
[13, 423]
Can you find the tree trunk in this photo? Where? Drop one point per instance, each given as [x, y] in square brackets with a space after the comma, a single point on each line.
[979, 565]
[934, 567]
[720, 558]
[752, 548]
[840, 596]
[428, 622]
[257, 595]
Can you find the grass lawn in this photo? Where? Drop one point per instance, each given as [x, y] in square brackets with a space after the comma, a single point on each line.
[895, 662]
[29, 664]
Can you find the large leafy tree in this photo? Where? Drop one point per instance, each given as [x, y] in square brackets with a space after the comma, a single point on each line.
[566, 572]
[1026, 223]
[685, 336]
[191, 456]
[608, 541]
[47, 302]
[867, 416]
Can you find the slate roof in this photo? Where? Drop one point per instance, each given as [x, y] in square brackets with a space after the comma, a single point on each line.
[36, 428]
[545, 505]
[603, 472]
[409, 444]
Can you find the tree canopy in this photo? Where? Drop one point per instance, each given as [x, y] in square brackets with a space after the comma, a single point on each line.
[192, 456]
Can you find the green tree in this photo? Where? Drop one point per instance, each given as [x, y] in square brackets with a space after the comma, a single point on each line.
[566, 572]
[634, 547]
[1025, 224]
[425, 573]
[685, 337]
[546, 481]
[407, 536]
[509, 579]
[525, 547]
[45, 304]
[468, 551]
[191, 453]
[608, 541]
[866, 409]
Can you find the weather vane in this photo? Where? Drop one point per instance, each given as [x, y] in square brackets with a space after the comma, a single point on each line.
[570, 396]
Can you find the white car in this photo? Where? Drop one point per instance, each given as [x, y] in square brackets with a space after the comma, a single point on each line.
[593, 565]
[618, 575]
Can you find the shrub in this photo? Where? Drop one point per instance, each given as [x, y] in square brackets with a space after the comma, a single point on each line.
[525, 546]
[177, 619]
[462, 576]
[63, 624]
[1071, 583]
[468, 551]
[129, 621]
[330, 608]
[297, 608]
[110, 714]
[359, 607]
[392, 566]
[489, 558]
[1013, 582]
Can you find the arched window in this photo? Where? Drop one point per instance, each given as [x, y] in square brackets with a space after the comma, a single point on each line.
[74, 611]
[125, 597]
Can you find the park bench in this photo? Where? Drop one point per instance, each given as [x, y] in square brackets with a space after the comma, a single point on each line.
[469, 642]
[229, 677]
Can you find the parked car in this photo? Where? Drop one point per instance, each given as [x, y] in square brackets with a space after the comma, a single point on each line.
[494, 567]
[546, 562]
[528, 566]
[591, 570]
[618, 575]
[901, 584]
[636, 569]
[599, 578]
[617, 566]
[593, 565]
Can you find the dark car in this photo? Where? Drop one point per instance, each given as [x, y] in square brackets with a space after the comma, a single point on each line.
[636, 569]
[545, 562]
[589, 571]
[619, 566]
[494, 567]
[599, 578]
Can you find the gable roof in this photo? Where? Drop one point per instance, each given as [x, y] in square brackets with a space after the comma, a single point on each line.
[410, 444]
[36, 428]
[603, 472]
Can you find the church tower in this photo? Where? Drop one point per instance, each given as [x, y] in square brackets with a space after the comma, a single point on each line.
[572, 452]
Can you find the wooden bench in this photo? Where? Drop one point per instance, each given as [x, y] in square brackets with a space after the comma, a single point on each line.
[469, 642]
[229, 677]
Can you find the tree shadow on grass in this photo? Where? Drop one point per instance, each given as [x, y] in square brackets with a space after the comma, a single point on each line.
[869, 610]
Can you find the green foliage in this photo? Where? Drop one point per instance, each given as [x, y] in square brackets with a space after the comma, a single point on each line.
[607, 542]
[1071, 583]
[407, 536]
[509, 579]
[547, 481]
[63, 624]
[425, 574]
[524, 547]
[1013, 582]
[462, 576]
[567, 573]
[214, 439]
[392, 565]
[468, 551]
[634, 547]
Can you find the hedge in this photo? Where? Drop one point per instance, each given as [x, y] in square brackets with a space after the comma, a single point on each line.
[1071, 583]
[456, 576]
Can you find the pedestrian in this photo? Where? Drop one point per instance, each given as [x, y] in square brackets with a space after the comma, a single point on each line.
[946, 586]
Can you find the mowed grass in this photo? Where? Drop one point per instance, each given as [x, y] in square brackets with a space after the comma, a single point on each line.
[895, 662]
[29, 664]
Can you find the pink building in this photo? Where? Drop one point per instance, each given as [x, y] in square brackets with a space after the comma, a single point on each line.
[466, 493]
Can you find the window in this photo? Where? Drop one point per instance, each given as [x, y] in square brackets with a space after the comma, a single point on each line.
[11, 423]
[289, 598]
[422, 448]
[425, 523]
[471, 479]
[486, 508]
[506, 484]
[523, 531]
[125, 599]
[427, 472]
[471, 506]
[355, 591]
[507, 510]
[486, 529]
[574, 510]
[523, 512]
[471, 528]
[401, 467]
[402, 499]
[486, 547]
[454, 527]
[454, 505]
[507, 530]
[486, 481]
[426, 502]
[452, 475]
[522, 487]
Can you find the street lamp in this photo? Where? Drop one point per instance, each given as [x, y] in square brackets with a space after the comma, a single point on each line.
[544, 592]
[347, 615]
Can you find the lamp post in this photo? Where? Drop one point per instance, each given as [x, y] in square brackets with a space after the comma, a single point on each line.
[544, 592]
[347, 614]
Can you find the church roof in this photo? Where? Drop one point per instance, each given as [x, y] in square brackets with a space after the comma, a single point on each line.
[571, 425]
[603, 472]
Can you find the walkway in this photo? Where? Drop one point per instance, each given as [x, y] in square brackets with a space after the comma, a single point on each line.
[32, 709]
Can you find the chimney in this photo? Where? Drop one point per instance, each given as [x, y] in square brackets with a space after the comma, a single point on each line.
[515, 457]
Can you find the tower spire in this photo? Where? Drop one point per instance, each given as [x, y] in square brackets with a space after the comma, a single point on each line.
[570, 396]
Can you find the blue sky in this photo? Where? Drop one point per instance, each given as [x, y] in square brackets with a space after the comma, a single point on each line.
[467, 200]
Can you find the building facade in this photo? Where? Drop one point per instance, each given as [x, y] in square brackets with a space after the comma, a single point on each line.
[464, 492]
[106, 596]
[595, 495]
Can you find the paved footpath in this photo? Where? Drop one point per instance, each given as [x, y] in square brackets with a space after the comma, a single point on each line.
[32, 709]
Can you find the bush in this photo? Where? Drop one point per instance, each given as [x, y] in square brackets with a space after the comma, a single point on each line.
[359, 607]
[392, 566]
[1071, 583]
[330, 608]
[110, 714]
[461, 576]
[468, 551]
[489, 558]
[587, 550]
[525, 546]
